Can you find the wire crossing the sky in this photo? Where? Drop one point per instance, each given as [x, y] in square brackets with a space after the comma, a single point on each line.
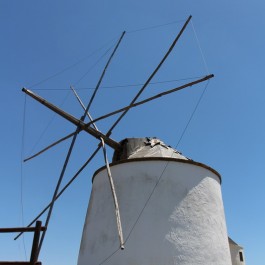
[124, 110]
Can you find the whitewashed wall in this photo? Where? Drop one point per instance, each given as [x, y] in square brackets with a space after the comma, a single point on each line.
[183, 223]
[235, 256]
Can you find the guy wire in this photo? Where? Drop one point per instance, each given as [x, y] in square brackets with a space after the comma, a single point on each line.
[192, 114]
[125, 85]
[107, 258]
[156, 26]
[70, 66]
[52, 118]
[101, 57]
[163, 171]
[199, 46]
[21, 171]
[48, 125]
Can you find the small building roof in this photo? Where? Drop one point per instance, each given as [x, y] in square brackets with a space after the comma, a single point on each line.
[232, 242]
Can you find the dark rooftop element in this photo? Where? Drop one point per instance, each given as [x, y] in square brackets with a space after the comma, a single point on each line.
[145, 147]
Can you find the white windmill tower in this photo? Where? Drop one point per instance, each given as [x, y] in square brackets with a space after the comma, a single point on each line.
[171, 210]
[151, 205]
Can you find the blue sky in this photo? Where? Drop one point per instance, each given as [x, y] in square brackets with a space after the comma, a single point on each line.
[41, 38]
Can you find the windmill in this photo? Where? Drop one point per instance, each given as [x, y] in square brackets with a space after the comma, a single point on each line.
[104, 139]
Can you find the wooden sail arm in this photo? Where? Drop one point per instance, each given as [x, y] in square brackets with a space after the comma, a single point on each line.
[97, 134]
[125, 108]
[151, 76]
[152, 98]
[111, 182]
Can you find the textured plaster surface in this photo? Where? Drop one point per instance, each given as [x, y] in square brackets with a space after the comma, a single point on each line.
[182, 223]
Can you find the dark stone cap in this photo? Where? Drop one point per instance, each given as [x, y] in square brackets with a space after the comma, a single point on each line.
[145, 147]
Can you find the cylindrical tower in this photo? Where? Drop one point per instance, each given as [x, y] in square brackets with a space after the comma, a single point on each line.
[171, 210]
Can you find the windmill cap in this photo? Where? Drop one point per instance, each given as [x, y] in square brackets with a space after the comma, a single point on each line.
[145, 147]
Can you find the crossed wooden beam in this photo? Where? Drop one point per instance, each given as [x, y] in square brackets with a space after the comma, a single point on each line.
[86, 126]
[35, 243]
[104, 138]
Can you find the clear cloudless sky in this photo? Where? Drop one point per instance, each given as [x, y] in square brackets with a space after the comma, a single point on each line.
[41, 38]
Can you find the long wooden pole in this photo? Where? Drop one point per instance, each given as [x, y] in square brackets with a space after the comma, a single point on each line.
[62, 190]
[138, 94]
[109, 132]
[20, 229]
[80, 123]
[104, 71]
[112, 186]
[152, 75]
[153, 97]
[127, 107]
[35, 244]
[50, 146]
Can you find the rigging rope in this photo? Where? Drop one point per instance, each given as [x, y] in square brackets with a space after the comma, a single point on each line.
[152, 75]
[101, 57]
[70, 152]
[104, 71]
[47, 126]
[200, 49]
[192, 114]
[57, 187]
[21, 171]
[121, 116]
[94, 52]
[163, 171]
[141, 84]
[56, 194]
[128, 85]
[52, 118]
[78, 172]
[156, 26]
[181, 137]
[71, 66]
[112, 186]
[63, 189]
[176, 145]
[135, 98]
[160, 177]
[125, 108]
[107, 258]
